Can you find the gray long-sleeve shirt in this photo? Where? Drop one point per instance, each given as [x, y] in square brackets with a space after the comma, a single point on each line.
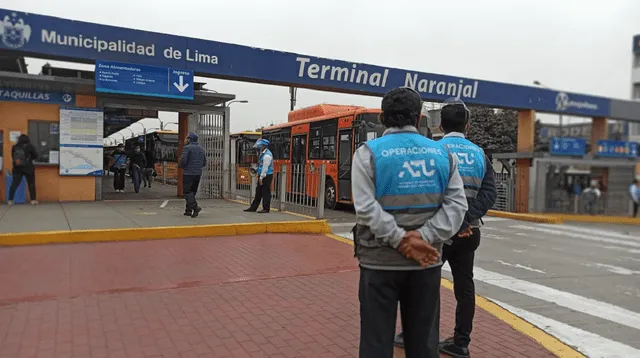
[440, 227]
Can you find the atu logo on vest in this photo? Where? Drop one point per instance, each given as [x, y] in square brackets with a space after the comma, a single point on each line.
[465, 158]
[421, 166]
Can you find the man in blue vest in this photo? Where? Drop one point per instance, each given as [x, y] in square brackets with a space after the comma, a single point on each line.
[265, 177]
[480, 190]
[409, 199]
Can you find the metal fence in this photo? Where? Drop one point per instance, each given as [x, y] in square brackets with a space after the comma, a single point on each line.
[210, 128]
[609, 203]
[296, 188]
[505, 187]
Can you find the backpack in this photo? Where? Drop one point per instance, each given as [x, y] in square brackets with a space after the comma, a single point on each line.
[20, 158]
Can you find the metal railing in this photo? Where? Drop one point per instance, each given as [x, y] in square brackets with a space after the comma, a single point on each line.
[609, 203]
[296, 188]
[505, 188]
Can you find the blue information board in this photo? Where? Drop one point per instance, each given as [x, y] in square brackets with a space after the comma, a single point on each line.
[617, 149]
[567, 146]
[143, 80]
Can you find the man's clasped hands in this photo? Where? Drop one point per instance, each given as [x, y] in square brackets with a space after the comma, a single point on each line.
[415, 248]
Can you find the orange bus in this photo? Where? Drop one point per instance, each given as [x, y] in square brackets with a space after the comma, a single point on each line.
[329, 139]
[242, 155]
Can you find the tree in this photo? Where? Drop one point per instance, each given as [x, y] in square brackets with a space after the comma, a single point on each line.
[494, 131]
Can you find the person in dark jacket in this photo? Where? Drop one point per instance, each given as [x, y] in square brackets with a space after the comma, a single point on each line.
[138, 162]
[192, 161]
[23, 154]
[118, 165]
[480, 190]
[147, 176]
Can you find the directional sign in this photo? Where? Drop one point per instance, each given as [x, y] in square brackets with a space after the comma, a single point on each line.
[143, 80]
[568, 146]
[619, 149]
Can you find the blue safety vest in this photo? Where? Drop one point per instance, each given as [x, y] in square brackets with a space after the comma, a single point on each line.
[471, 162]
[411, 172]
[411, 175]
[260, 162]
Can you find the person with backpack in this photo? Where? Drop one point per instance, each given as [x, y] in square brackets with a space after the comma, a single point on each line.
[23, 154]
[118, 165]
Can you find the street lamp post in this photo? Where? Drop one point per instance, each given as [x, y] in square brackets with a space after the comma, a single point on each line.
[538, 83]
[237, 101]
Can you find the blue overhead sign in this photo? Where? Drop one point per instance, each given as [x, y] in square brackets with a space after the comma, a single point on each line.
[143, 80]
[618, 149]
[24, 95]
[568, 146]
[64, 39]
[636, 44]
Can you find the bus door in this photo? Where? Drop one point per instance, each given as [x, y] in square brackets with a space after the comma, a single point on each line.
[298, 163]
[344, 164]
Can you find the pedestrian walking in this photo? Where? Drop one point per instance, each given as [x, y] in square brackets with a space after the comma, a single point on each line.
[192, 161]
[23, 154]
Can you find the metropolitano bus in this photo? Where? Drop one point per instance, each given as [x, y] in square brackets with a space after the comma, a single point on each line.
[324, 134]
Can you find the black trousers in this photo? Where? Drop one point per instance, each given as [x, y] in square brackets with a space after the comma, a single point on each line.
[118, 178]
[190, 185]
[635, 209]
[30, 176]
[263, 193]
[460, 255]
[419, 295]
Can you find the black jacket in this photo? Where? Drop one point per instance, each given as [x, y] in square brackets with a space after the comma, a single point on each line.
[31, 153]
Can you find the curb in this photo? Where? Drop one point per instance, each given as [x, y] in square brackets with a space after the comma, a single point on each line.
[536, 218]
[547, 341]
[161, 233]
[599, 219]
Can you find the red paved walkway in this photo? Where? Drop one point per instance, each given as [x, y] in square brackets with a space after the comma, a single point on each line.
[250, 296]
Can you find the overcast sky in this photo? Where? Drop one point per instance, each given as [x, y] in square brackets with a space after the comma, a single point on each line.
[582, 46]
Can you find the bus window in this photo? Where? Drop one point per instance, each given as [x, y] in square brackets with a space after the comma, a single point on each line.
[367, 127]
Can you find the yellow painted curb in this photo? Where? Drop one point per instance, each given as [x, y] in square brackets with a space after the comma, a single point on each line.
[283, 211]
[536, 218]
[169, 232]
[549, 342]
[599, 219]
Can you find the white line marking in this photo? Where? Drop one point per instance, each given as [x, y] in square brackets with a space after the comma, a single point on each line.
[346, 235]
[520, 266]
[568, 300]
[617, 248]
[493, 218]
[164, 203]
[590, 231]
[342, 224]
[614, 269]
[576, 235]
[591, 345]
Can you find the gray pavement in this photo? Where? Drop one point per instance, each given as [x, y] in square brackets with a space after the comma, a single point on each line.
[125, 214]
[580, 282]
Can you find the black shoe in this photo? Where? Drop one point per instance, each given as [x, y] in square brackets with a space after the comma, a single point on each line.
[446, 341]
[399, 340]
[187, 213]
[263, 211]
[250, 210]
[196, 211]
[453, 350]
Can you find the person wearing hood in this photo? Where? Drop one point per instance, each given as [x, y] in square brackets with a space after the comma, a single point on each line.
[265, 177]
[23, 153]
[192, 161]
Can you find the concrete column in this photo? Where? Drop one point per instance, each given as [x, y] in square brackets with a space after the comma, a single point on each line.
[183, 130]
[599, 130]
[526, 137]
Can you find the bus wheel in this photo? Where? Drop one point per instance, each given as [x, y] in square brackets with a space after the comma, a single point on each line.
[330, 195]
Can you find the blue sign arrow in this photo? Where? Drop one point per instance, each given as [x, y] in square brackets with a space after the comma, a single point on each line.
[568, 146]
[143, 80]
